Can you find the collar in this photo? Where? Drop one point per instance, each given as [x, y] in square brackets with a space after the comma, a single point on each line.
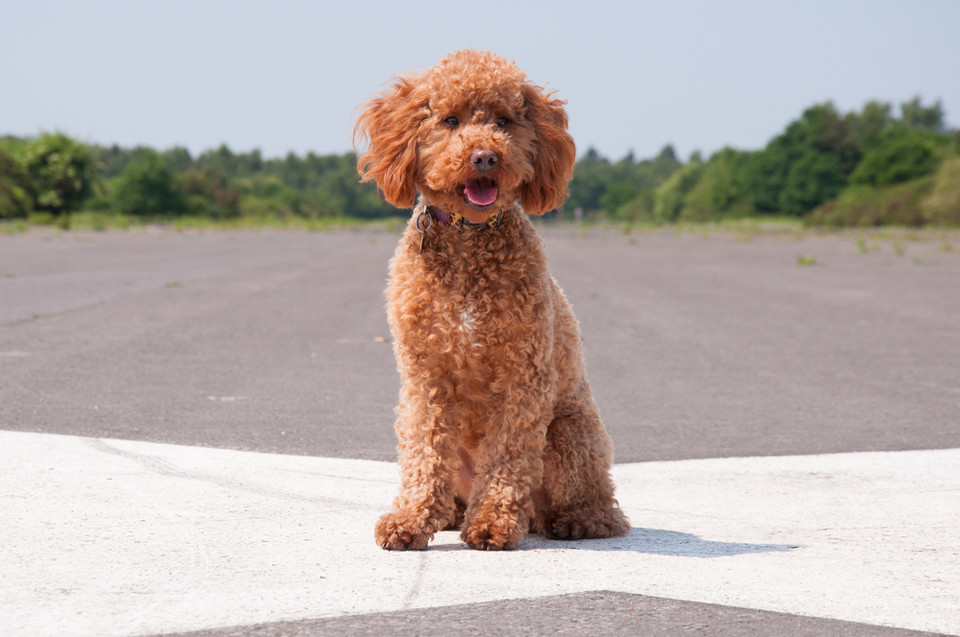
[457, 220]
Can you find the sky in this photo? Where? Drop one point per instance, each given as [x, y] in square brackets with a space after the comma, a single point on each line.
[287, 75]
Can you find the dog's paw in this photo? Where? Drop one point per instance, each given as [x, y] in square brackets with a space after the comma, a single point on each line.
[564, 528]
[396, 532]
[495, 535]
[585, 524]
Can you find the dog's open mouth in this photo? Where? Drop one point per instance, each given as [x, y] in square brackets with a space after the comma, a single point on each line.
[480, 192]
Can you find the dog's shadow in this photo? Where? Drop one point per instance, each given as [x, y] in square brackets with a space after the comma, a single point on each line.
[658, 542]
[638, 540]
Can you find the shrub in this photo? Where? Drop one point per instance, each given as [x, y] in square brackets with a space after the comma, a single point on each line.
[813, 178]
[15, 196]
[899, 205]
[942, 205]
[269, 196]
[670, 196]
[721, 190]
[899, 157]
[210, 193]
[62, 173]
[147, 187]
[804, 166]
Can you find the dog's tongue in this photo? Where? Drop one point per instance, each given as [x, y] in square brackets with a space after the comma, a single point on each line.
[480, 192]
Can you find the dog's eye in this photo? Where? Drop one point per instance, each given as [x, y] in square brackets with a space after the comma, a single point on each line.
[452, 121]
[502, 122]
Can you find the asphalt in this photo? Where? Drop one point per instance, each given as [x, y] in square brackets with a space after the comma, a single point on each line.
[195, 438]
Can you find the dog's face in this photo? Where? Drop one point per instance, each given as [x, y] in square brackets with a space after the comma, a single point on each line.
[472, 135]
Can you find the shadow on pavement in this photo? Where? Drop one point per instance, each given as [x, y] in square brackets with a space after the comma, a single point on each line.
[659, 542]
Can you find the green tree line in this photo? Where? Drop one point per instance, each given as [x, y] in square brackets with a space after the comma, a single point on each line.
[867, 167]
[54, 175]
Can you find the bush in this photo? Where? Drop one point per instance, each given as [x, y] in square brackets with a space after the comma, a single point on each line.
[638, 209]
[899, 157]
[617, 195]
[942, 206]
[269, 196]
[147, 187]
[670, 196]
[62, 173]
[210, 194]
[898, 205]
[813, 178]
[720, 191]
[15, 197]
[804, 166]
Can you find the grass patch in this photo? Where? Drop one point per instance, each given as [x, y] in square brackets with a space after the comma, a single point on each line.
[15, 226]
[866, 248]
[899, 247]
[275, 222]
[94, 221]
[745, 229]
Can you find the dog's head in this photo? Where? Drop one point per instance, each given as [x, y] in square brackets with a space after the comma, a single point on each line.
[472, 134]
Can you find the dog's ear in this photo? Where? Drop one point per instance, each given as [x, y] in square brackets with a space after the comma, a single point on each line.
[389, 123]
[555, 153]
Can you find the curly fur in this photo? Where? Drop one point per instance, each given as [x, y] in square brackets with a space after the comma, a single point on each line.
[498, 431]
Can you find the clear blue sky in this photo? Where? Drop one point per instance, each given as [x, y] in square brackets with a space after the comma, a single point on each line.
[286, 75]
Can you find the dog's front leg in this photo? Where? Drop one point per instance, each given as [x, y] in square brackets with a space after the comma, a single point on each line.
[428, 467]
[509, 467]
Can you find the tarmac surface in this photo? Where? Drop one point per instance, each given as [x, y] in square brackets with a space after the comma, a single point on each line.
[196, 438]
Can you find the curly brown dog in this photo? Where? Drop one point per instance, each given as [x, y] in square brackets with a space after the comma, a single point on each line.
[498, 431]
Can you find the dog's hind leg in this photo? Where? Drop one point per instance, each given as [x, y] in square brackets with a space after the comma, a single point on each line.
[576, 500]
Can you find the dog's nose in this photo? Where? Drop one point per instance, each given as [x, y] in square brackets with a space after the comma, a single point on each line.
[483, 160]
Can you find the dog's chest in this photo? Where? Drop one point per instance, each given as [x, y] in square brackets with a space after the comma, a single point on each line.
[467, 323]
[466, 327]
[471, 310]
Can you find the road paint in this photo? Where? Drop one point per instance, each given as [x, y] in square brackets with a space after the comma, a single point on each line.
[112, 537]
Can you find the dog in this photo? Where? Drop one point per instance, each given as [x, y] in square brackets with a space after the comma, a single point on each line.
[498, 430]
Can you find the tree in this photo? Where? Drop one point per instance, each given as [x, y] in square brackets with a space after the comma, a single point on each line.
[813, 178]
[764, 174]
[873, 120]
[591, 177]
[62, 173]
[720, 190]
[178, 159]
[148, 187]
[209, 193]
[618, 194]
[914, 114]
[667, 154]
[15, 198]
[806, 165]
[671, 194]
[901, 156]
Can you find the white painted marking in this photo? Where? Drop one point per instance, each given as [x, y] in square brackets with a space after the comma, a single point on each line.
[226, 399]
[108, 537]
